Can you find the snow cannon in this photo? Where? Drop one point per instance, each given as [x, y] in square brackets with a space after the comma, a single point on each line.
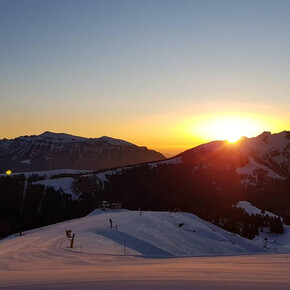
[71, 237]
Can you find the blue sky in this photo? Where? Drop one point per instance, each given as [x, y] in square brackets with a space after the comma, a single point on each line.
[94, 68]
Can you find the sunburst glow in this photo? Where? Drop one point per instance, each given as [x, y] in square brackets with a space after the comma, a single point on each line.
[230, 127]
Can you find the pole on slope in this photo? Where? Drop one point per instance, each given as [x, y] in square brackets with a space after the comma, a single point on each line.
[72, 241]
[22, 204]
[124, 247]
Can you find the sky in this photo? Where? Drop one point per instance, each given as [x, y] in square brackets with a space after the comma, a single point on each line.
[169, 75]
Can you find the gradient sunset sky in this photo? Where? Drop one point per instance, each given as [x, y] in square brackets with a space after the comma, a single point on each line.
[168, 75]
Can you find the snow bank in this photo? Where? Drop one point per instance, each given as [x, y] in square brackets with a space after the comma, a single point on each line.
[253, 165]
[64, 183]
[250, 209]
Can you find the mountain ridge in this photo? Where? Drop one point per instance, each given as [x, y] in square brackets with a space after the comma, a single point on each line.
[50, 150]
[267, 152]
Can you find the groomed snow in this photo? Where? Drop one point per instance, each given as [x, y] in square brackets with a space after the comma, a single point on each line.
[149, 234]
[110, 258]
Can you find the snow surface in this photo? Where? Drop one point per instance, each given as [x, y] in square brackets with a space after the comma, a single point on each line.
[71, 271]
[103, 176]
[114, 142]
[274, 243]
[173, 161]
[67, 138]
[265, 142]
[150, 234]
[271, 149]
[253, 165]
[64, 183]
[60, 137]
[110, 258]
[250, 209]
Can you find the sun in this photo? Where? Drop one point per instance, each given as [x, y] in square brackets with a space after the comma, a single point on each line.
[227, 127]
[230, 128]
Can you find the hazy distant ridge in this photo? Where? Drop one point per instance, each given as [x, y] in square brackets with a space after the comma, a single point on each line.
[49, 151]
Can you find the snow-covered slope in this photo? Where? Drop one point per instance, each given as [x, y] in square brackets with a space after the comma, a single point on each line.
[64, 183]
[266, 155]
[250, 209]
[154, 234]
[148, 234]
[110, 258]
[269, 153]
[275, 243]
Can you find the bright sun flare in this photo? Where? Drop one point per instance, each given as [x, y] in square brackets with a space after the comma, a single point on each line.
[226, 127]
[229, 129]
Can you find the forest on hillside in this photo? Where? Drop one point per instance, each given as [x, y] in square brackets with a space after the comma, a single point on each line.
[208, 193]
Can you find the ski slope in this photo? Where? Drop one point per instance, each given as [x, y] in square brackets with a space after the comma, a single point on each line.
[155, 234]
[151, 250]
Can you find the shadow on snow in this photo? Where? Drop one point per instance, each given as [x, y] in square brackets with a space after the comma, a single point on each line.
[131, 242]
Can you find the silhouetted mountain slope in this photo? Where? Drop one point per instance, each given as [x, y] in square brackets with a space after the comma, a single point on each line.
[210, 177]
[57, 150]
[267, 156]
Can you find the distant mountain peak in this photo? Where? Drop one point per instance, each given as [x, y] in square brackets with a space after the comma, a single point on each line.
[113, 141]
[265, 133]
[64, 136]
[54, 134]
[51, 150]
[72, 138]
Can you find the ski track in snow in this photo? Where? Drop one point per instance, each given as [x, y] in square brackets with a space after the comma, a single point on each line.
[145, 251]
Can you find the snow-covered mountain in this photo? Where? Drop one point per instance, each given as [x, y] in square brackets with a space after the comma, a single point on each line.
[266, 156]
[209, 177]
[49, 151]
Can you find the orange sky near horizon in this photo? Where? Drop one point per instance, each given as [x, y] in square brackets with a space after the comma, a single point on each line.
[169, 133]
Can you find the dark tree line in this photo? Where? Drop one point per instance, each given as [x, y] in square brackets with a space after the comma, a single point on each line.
[208, 192]
[41, 205]
[237, 220]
